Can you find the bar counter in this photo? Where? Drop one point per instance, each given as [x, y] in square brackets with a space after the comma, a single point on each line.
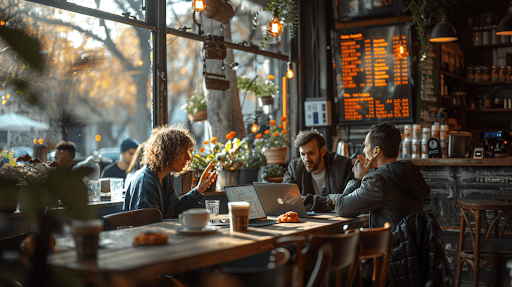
[463, 162]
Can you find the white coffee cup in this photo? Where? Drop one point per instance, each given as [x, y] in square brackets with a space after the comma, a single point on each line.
[195, 218]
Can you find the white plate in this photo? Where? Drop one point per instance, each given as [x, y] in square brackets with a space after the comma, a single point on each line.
[205, 230]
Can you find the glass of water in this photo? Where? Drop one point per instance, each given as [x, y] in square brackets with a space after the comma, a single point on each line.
[213, 208]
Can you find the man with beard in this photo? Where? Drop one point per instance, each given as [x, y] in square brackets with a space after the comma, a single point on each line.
[320, 175]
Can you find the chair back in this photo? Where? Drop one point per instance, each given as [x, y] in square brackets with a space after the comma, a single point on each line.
[320, 275]
[132, 218]
[377, 244]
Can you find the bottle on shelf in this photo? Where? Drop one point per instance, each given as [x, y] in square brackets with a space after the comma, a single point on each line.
[494, 74]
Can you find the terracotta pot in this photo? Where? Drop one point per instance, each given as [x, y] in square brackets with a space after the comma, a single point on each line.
[198, 117]
[274, 179]
[276, 155]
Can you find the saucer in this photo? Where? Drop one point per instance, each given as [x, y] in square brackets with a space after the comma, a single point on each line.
[203, 231]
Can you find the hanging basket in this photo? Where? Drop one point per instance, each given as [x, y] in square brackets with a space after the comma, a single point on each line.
[215, 82]
[264, 101]
[219, 10]
[198, 117]
[276, 155]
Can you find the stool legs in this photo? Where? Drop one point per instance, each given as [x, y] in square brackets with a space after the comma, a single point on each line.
[461, 246]
[476, 247]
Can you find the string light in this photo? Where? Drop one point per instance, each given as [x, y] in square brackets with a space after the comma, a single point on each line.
[289, 73]
[198, 5]
[254, 127]
[275, 27]
[97, 138]
[34, 141]
[40, 141]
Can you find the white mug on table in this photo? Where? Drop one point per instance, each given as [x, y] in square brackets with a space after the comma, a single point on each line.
[195, 218]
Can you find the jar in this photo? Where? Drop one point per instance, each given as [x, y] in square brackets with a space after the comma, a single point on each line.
[408, 132]
[406, 148]
[435, 131]
[445, 129]
[416, 132]
[504, 39]
[471, 74]
[477, 36]
[486, 33]
[495, 39]
[478, 75]
[486, 74]
[501, 74]
[416, 148]
[494, 74]
[425, 133]
[509, 74]
[424, 148]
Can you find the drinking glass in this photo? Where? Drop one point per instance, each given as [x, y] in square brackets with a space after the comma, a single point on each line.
[93, 191]
[213, 208]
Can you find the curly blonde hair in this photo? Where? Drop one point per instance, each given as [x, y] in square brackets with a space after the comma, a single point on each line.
[165, 144]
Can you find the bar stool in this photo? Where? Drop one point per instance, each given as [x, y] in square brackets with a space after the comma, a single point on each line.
[478, 208]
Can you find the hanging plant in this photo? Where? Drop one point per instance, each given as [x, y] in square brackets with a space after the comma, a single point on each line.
[285, 11]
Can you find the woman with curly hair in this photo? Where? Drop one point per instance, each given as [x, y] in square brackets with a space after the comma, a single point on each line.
[166, 151]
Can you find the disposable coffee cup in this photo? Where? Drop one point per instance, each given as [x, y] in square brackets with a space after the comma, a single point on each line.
[86, 234]
[195, 218]
[238, 216]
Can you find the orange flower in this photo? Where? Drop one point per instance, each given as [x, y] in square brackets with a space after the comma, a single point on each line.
[283, 119]
[271, 77]
[258, 136]
[205, 142]
[284, 132]
[232, 133]
[201, 149]
[273, 123]
[276, 134]
[213, 140]
[280, 126]
[228, 136]
[267, 132]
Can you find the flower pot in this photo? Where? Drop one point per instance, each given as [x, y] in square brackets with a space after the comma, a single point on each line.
[248, 176]
[226, 178]
[198, 117]
[276, 155]
[186, 181]
[264, 101]
[274, 179]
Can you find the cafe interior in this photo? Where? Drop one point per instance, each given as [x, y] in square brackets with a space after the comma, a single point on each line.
[244, 77]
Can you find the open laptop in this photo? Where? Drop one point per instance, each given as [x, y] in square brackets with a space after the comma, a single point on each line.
[257, 216]
[279, 198]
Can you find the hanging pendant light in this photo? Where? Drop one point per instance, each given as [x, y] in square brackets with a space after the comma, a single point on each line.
[443, 32]
[198, 5]
[505, 25]
[254, 127]
[289, 73]
[275, 28]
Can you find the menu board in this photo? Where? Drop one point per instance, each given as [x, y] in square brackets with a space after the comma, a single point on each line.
[350, 9]
[372, 70]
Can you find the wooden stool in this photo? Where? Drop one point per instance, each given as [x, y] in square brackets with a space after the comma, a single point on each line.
[478, 208]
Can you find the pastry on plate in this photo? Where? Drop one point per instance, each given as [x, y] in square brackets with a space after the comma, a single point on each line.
[290, 216]
[150, 238]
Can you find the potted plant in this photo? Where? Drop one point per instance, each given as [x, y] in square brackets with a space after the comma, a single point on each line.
[252, 159]
[282, 10]
[274, 142]
[197, 165]
[264, 90]
[273, 173]
[196, 107]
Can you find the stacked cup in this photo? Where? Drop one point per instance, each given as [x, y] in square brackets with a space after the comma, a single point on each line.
[406, 143]
[425, 136]
[416, 141]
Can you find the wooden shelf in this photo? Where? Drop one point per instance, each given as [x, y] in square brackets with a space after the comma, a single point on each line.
[490, 111]
[488, 84]
[462, 162]
[451, 75]
[503, 45]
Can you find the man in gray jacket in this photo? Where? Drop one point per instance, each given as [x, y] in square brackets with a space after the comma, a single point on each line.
[391, 192]
[319, 174]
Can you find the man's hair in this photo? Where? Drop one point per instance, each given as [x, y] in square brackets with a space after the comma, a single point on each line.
[165, 144]
[304, 137]
[69, 146]
[135, 164]
[387, 137]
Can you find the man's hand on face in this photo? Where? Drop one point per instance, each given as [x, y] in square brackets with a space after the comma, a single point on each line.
[361, 166]
[207, 178]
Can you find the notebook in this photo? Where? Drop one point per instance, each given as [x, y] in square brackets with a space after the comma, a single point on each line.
[279, 198]
[257, 216]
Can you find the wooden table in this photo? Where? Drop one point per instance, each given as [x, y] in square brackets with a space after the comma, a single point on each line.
[183, 253]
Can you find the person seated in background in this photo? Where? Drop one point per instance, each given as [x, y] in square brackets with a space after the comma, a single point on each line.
[118, 168]
[391, 192]
[319, 174]
[167, 151]
[65, 153]
[135, 165]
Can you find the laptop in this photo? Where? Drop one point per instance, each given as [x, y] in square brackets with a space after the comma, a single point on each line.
[257, 216]
[279, 198]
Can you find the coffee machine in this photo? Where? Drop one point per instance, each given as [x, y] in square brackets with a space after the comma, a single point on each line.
[496, 143]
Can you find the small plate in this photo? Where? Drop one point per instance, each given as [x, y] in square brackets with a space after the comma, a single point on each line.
[204, 231]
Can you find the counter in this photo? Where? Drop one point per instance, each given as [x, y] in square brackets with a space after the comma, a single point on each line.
[463, 162]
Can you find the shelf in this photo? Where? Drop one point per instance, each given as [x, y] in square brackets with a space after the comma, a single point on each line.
[504, 45]
[490, 111]
[488, 84]
[451, 75]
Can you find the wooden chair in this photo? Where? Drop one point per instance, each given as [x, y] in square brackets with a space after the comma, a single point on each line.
[377, 244]
[132, 218]
[477, 208]
[345, 248]
[320, 275]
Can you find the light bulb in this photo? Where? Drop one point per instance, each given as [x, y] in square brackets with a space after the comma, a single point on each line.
[401, 49]
[275, 28]
[289, 72]
[198, 5]
[254, 128]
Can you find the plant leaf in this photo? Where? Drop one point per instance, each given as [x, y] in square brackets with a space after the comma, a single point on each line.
[28, 48]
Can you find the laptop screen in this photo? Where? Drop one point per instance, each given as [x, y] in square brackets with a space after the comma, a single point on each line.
[246, 193]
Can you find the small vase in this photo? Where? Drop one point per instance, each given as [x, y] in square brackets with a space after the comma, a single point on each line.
[198, 117]
[264, 101]
[276, 155]
[226, 178]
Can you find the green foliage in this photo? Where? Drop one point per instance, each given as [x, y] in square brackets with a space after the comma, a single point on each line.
[273, 170]
[252, 158]
[258, 87]
[22, 89]
[196, 103]
[8, 155]
[25, 46]
[287, 12]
